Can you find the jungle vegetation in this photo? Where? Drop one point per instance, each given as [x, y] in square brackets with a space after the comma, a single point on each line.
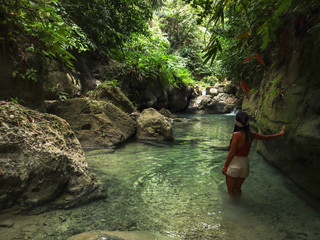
[175, 40]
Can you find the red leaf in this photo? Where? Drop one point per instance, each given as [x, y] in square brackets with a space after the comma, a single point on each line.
[259, 59]
[247, 59]
[246, 33]
[245, 89]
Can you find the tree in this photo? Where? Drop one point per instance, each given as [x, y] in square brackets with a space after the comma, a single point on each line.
[247, 30]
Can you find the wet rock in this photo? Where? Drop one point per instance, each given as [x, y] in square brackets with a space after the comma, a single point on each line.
[151, 125]
[41, 158]
[212, 91]
[166, 113]
[110, 93]
[115, 235]
[95, 123]
[198, 104]
[7, 223]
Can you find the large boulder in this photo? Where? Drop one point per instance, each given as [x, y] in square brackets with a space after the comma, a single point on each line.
[222, 103]
[109, 92]
[95, 123]
[145, 92]
[151, 125]
[40, 158]
[178, 98]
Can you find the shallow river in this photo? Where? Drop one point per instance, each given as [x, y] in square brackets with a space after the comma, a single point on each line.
[177, 191]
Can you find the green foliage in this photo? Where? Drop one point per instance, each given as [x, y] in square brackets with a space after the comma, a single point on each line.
[246, 28]
[147, 56]
[109, 23]
[210, 80]
[38, 29]
[15, 100]
[63, 96]
[45, 33]
[187, 38]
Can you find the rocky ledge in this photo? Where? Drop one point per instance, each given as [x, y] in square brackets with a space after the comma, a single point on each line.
[41, 160]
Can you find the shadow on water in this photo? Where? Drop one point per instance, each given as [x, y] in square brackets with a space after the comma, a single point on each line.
[178, 191]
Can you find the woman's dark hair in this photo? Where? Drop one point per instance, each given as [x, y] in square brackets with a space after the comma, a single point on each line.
[242, 118]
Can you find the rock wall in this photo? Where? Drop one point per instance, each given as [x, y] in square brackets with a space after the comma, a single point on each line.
[41, 159]
[288, 95]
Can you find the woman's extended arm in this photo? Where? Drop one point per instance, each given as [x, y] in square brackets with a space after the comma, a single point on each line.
[268, 137]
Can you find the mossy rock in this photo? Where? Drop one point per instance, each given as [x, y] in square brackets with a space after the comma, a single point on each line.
[110, 93]
[295, 104]
[41, 159]
[95, 123]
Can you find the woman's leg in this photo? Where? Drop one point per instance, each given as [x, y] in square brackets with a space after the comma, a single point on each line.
[231, 184]
[237, 187]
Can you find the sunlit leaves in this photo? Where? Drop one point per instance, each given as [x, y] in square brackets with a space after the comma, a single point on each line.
[39, 25]
[212, 49]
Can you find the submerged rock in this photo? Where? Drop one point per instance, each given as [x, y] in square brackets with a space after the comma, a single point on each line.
[116, 235]
[41, 159]
[95, 123]
[166, 113]
[151, 125]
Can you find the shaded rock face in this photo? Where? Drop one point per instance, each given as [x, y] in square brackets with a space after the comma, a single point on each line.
[145, 93]
[296, 106]
[166, 113]
[151, 93]
[110, 93]
[60, 84]
[95, 123]
[151, 125]
[41, 159]
[178, 98]
[26, 90]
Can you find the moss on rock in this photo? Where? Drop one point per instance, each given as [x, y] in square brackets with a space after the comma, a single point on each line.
[95, 123]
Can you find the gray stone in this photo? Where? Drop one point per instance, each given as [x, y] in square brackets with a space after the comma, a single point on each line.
[95, 123]
[7, 223]
[110, 93]
[151, 125]
[41, 158]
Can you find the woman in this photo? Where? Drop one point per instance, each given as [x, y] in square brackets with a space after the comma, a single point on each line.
[236, 167]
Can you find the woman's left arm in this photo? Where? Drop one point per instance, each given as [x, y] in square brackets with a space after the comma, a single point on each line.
[268, 137]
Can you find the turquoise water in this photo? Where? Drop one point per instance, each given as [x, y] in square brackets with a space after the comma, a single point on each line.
[177, 191]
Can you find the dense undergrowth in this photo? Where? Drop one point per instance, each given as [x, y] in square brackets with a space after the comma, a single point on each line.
[177, 41]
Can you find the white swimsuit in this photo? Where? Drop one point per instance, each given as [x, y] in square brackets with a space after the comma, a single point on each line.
[238, 167]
